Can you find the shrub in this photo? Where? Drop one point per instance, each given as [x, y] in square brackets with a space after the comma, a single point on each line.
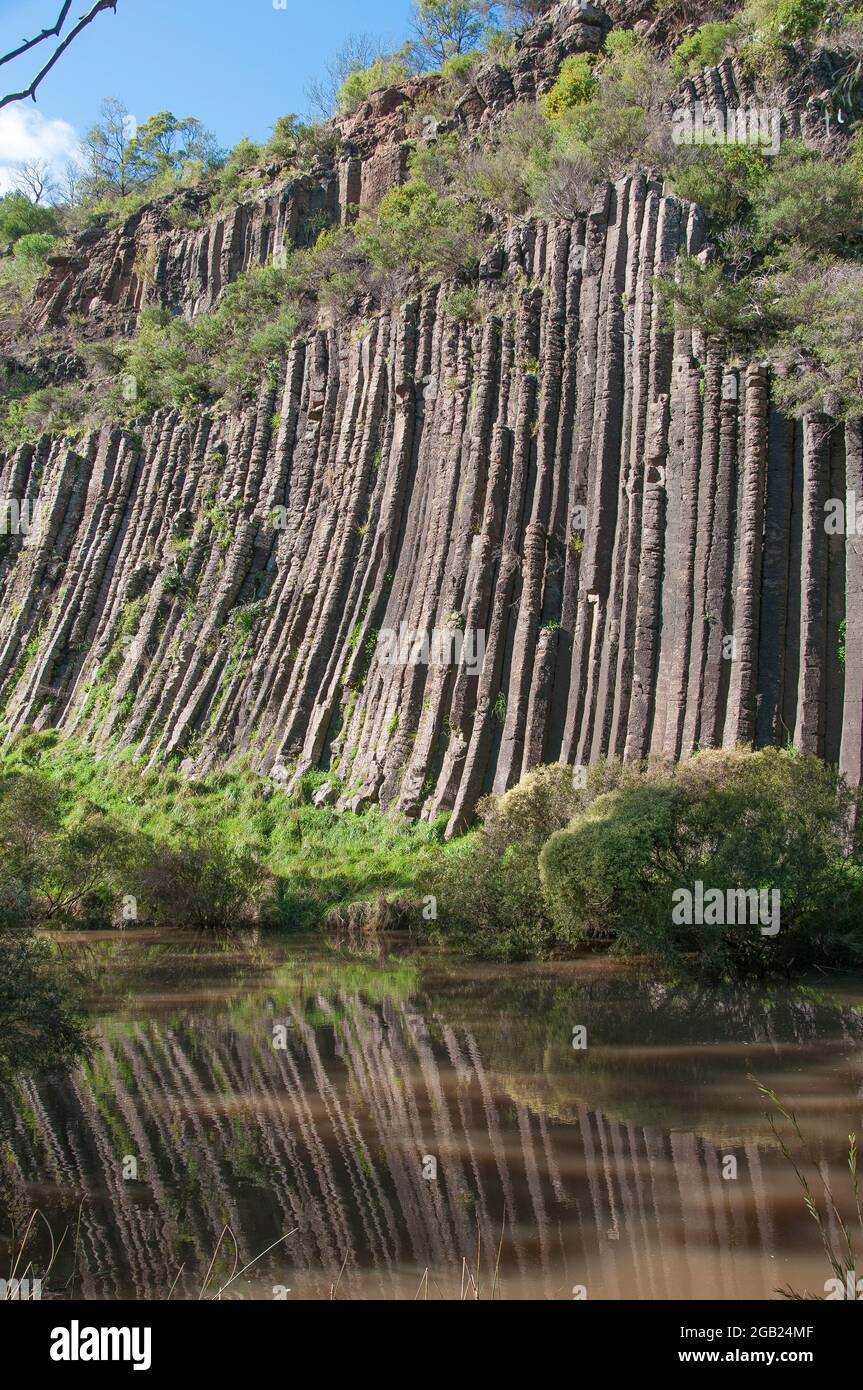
[57, 872]
[463, 305]
[19, 217]
[621, 128]
[422, 231]
[202, 882]
[174, 362]
[723, 180]
[301, 144]
[784, 20]
[575, 85]
[504, 172]
[819, 309]
[47, 410]
[568, 186]
[234, 179]
[766, 821]
[492, 900]
[704, 296]
[790, 204]
[359, 85]
[458, 70]
[703, 49]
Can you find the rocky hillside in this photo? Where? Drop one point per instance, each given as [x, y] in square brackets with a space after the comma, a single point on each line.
[623, 516]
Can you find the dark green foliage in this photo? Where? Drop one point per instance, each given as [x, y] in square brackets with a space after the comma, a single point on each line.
[20, 218]
[810, 200]
[724, 181]
[419, 229]
[705, 296]
[203, 882]
[703, 49]
[741, 821]
[491, 899]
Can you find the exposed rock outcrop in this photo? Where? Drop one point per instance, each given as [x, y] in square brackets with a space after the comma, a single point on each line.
[628, 521]
[622, 517]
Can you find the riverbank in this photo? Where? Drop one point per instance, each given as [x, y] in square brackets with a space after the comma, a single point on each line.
[166, 841]
[740, 864]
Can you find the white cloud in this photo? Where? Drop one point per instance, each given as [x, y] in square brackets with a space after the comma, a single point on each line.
[26, 134]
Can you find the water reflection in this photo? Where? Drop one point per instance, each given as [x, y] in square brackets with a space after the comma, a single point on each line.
[274, 1088]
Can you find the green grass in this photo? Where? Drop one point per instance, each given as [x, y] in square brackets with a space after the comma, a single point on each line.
[318, 858]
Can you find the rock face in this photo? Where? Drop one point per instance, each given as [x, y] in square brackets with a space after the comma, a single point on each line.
[634, 531]
[433, 554]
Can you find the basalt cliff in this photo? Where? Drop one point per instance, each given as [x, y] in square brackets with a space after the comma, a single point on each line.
[622, 512]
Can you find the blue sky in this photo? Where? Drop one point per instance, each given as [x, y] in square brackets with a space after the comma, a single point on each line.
[235, 64]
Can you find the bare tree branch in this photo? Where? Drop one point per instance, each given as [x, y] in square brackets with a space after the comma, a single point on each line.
[45, 34]
[58, 52]
[32, 177]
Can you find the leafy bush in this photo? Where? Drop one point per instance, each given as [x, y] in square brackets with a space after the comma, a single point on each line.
[819, 310]
[19, 217]
[492, 899]
[302, 144]
[359, 85]
[203, 882]
[234, 178]
[505, 170]
[175, 362]
[704, 296]
[785, 20]
[790, 204]
[419, 230]
[458, 70]
[463, 305]
[575, 85]
[723, 180]
[703, 49]
[46, 410]
[767, 822]
[57, 872]
[620, 127]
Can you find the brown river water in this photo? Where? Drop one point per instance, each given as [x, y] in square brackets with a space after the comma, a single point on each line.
[415, 1125]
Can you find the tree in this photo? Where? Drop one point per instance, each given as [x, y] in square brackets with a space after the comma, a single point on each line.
[358, 51]
[53, 32]
[70, 184]
[32, 177]
[109, 151]
[164, 145]
[523, 13]
[20, 217]
[444, 28]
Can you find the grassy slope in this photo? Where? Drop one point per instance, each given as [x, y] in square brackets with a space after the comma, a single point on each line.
[319, 858]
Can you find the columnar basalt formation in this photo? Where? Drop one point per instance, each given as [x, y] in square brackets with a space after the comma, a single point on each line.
[626, 518]
[623, 515]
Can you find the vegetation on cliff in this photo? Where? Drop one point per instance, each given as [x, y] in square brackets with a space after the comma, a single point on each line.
[781, 280]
